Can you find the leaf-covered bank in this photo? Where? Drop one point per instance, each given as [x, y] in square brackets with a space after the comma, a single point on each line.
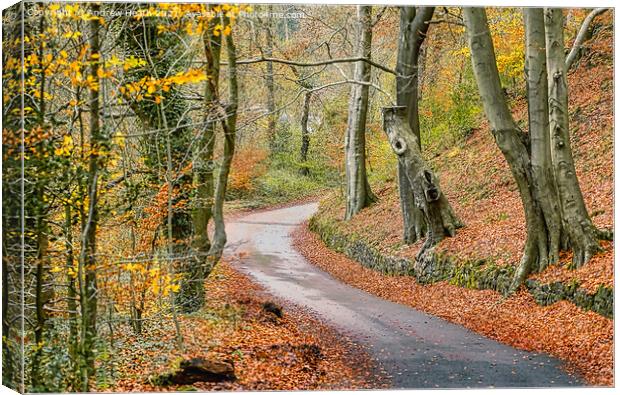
[290, 353]
[581, 338]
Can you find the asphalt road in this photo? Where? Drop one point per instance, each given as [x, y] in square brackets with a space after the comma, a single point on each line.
[416, 349]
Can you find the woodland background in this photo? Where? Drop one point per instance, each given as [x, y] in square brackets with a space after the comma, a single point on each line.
[137, 129]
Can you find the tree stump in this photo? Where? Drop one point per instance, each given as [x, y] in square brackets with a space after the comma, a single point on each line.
[199, 369]
[272, 308]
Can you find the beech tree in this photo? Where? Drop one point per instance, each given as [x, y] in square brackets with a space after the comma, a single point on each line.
[541, 161]
[358, 192]
[414, 24]
[203, 170]
[229, 127]
[581, 233]
[425, 209]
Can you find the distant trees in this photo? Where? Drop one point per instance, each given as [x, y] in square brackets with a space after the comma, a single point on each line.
[269, 82]
[541, 161]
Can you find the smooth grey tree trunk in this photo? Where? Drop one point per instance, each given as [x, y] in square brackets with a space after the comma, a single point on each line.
[540, 147]
[358, 192]
[413, 28]
[542, 165]
[270, 85]
[582, 235]
[511, 141]
[429, 199]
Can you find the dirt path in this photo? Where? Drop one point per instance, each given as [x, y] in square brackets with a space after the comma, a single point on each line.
[417, 350]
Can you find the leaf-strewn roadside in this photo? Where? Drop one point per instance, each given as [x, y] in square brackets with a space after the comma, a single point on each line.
[583, 339]
[292, 353]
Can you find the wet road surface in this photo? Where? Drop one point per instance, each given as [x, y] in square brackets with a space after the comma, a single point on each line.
[416, 349]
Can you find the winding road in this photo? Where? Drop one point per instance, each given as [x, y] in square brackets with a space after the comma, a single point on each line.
[416, 349]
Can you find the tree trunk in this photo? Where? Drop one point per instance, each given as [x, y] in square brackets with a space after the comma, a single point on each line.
[229, 126]
[171, 226]
[413, 28]
[584, 34]
[191, 295]
[429, 198]
[305, 136]
[42, 259]
[88, 294]
[42, 264]
[544, 181]
[71, 294]
[359, 194]
[582, 234]
[545, 219]
[510, 140]
[269, 84]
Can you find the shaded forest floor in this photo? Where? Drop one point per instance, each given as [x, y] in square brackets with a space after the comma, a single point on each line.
[477, 181]
[294, 352]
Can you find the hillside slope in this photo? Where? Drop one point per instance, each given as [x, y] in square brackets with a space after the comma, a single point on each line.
[477, 181]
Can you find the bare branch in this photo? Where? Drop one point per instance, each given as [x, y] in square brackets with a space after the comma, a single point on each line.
[314, 64]
[378, 16]
[581, 36]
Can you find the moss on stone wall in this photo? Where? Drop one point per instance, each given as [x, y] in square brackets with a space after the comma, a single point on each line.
[480, 274]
